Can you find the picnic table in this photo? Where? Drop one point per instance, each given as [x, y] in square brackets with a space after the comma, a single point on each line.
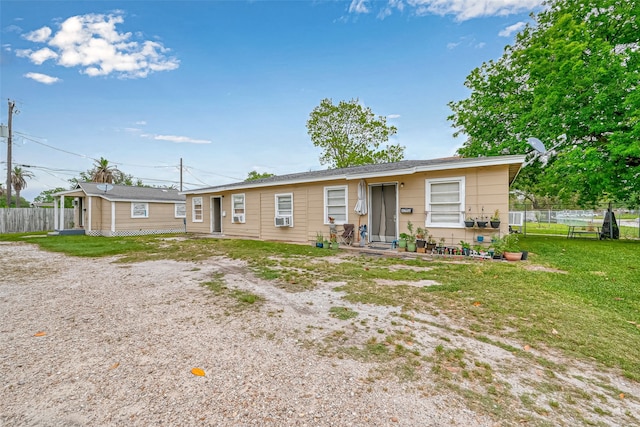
[582, 230]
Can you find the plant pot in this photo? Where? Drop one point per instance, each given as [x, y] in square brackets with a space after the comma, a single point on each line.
[318, 244]
[335, 245]
[525, 254]
[512, 256]
[411, 246]
[469, 223]
[402, 243]
[480, 238]
[326, 245]
[466, 251]
[481, 224]
[495, 224]
[421, 243]
[430, 246]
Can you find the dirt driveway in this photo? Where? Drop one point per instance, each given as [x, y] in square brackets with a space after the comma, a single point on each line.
[90, 342]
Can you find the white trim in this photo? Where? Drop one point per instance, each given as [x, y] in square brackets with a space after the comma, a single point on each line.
[113, 217]
[146, 210]
[461, 201]
[346, 203]
[61, 226]
[193, 209]
[279, 214]
[240, 217]
[89, 212]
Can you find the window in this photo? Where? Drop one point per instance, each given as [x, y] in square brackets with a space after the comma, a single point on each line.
[237, 207]
[445, 202]
[139, 210]
[284, 210]
[180, 210]
[335, 204]
[196, 204]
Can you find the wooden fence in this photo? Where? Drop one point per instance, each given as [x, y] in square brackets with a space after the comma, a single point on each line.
[24, 220]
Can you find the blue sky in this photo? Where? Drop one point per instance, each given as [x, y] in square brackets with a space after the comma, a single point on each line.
[228, 86]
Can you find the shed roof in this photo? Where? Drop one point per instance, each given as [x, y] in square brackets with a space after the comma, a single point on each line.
[128, 193]
[405, 167]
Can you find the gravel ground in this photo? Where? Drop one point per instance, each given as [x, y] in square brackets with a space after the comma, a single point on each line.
[88, 342]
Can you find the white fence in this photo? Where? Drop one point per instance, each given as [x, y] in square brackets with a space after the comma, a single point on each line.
[25, 220]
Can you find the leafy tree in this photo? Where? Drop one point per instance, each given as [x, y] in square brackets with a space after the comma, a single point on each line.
[571, 80]
[46, 196]
[103, 172]
[350, 135]
[254, 175]
[19, 178]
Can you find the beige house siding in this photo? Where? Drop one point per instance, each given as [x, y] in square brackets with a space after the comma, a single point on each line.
[486, 189]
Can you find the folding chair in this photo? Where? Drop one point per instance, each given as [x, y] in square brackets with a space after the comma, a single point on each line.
[347, 235]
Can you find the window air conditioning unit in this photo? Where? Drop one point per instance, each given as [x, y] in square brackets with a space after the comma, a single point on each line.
[283, 221]
[238, 218]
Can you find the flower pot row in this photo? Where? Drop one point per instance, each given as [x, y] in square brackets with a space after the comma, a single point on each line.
[481, 224]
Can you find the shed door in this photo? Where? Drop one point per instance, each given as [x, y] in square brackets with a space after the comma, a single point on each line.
[383, 213]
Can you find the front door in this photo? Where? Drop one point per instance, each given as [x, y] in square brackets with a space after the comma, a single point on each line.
[216, 214]
[383, 212]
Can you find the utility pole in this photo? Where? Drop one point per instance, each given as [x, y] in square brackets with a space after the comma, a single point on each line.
[12, 104]
[180, 174]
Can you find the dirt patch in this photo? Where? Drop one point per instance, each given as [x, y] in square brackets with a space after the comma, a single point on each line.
[91, 342]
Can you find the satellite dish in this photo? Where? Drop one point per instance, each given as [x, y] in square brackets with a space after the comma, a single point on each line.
[537, 145]
[104, 187]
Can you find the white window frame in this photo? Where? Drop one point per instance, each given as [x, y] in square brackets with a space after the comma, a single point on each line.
[461, 202]
[134, 209]
[281, 214]
[346, 204]
[180, 210]
[241, 219]
[195, 211]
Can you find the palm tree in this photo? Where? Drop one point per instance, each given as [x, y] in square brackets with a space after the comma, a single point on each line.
[103, 172]
[19, 181]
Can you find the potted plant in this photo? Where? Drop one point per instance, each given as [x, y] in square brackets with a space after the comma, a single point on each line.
[411, 238]
[334, 242]
[510, 248]
[319, 239]
[469, 222]
[402, 242]
[495, 219]
[431, 243]
[482, 222]
[420, 238]
[466, 248]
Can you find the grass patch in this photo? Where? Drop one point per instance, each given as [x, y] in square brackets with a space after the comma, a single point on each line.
[343, 313]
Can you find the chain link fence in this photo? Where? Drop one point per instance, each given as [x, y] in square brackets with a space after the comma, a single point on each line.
[559, 220]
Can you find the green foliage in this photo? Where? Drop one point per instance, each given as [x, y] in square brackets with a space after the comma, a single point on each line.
[570, 81]
[102, 171]
[47, 197]
[350, 135]
[254, 175]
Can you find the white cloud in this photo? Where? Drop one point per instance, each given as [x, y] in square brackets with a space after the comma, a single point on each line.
[358, 6]
[38, 36]
[41, 55]
[13, 29]
[461, 9]
[92, 43]
[507, 32]
[393, 116]
[42, 78]
[452, 45]
[141, 123]
[177, 139]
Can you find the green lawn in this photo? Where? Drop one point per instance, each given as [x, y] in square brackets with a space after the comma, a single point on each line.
[578, 296]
